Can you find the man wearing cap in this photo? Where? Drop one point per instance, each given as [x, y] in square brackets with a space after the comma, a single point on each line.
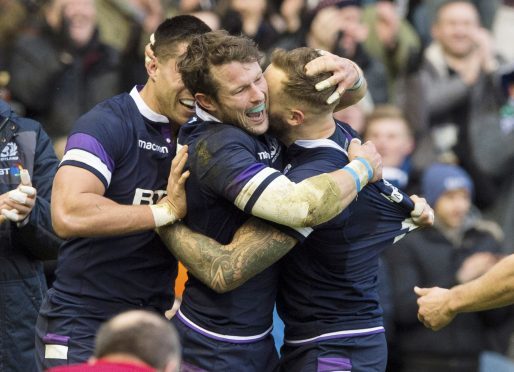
[459, 247]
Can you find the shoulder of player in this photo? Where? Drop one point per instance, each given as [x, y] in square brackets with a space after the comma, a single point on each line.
[110, 114]
[219, 137]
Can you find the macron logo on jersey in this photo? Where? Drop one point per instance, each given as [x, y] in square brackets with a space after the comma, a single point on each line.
[152, 146]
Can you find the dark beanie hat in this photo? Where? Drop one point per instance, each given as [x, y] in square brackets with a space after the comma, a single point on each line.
[440, 178]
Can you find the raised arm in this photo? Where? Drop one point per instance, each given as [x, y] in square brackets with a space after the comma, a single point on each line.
[255, 246]
[346, 75]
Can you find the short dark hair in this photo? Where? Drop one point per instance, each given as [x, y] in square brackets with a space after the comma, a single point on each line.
[214, 48]
[299, 86]
[145, 335]
[175, 31]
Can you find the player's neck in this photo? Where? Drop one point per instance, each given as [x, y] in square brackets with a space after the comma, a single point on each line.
[314, 128]
[148, 96]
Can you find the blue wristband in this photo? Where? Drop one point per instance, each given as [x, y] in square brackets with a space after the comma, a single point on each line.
[355, 177]
[367, 165]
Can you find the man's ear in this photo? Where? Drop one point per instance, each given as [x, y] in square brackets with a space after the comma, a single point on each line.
[91, 360]
[151, 68]
[205, 102]
[295, 117]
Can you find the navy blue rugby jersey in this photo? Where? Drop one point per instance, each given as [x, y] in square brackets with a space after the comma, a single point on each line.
[223, 159]
[328, 284]
[129, 148]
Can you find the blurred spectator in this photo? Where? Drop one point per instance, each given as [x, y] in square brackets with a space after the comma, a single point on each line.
[355, 115]
[491, 130]
[12, 16]
[388, 129]
[188, 6]
[209, 17]
[391, 40]
[337, 26]
[503, 29]
[26, 236]
[133, 341]
[292, 13]
[119, 19]
[126, 26]
[60, 70]
[250, 18]
[459, 248]
[458, 69]
[423, 12]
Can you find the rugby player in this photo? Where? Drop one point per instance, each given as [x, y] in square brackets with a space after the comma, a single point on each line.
[328, 297]
[231, 162]
[114, 170]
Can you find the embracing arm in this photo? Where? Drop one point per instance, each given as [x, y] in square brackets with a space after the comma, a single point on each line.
[317, 199]
[255, 246]
[80, 209]
[347, 76]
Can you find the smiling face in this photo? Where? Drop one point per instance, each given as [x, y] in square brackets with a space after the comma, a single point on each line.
[241, 96]
[173, 99]
[456, 25]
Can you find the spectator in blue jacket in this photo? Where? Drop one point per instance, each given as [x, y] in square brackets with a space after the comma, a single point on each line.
[26, 235]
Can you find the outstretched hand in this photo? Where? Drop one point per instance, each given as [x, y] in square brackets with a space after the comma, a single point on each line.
[176, 190]
[434, 311]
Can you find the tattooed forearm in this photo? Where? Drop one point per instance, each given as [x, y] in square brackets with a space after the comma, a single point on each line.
[255, 246]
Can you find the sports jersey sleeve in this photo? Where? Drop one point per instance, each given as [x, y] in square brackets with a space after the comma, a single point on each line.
[227, 162]
[95, 143]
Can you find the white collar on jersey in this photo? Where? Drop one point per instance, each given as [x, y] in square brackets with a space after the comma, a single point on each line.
[204, 115]
[322, 142]
[146, 111]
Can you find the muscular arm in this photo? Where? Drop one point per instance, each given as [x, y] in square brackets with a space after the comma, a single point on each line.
[494, 289]
[317, 199]
[80, 209]
[438, 306]
[256, 245]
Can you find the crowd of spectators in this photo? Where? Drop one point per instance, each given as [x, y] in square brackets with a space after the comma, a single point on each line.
[440, 81]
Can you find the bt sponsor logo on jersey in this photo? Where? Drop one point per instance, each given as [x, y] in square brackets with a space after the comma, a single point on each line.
[10, 152]
[147, 197]
[152, 146]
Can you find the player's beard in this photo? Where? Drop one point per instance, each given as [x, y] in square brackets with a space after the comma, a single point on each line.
[278, 127]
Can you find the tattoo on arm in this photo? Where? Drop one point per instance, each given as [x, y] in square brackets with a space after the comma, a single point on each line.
[255, 246]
